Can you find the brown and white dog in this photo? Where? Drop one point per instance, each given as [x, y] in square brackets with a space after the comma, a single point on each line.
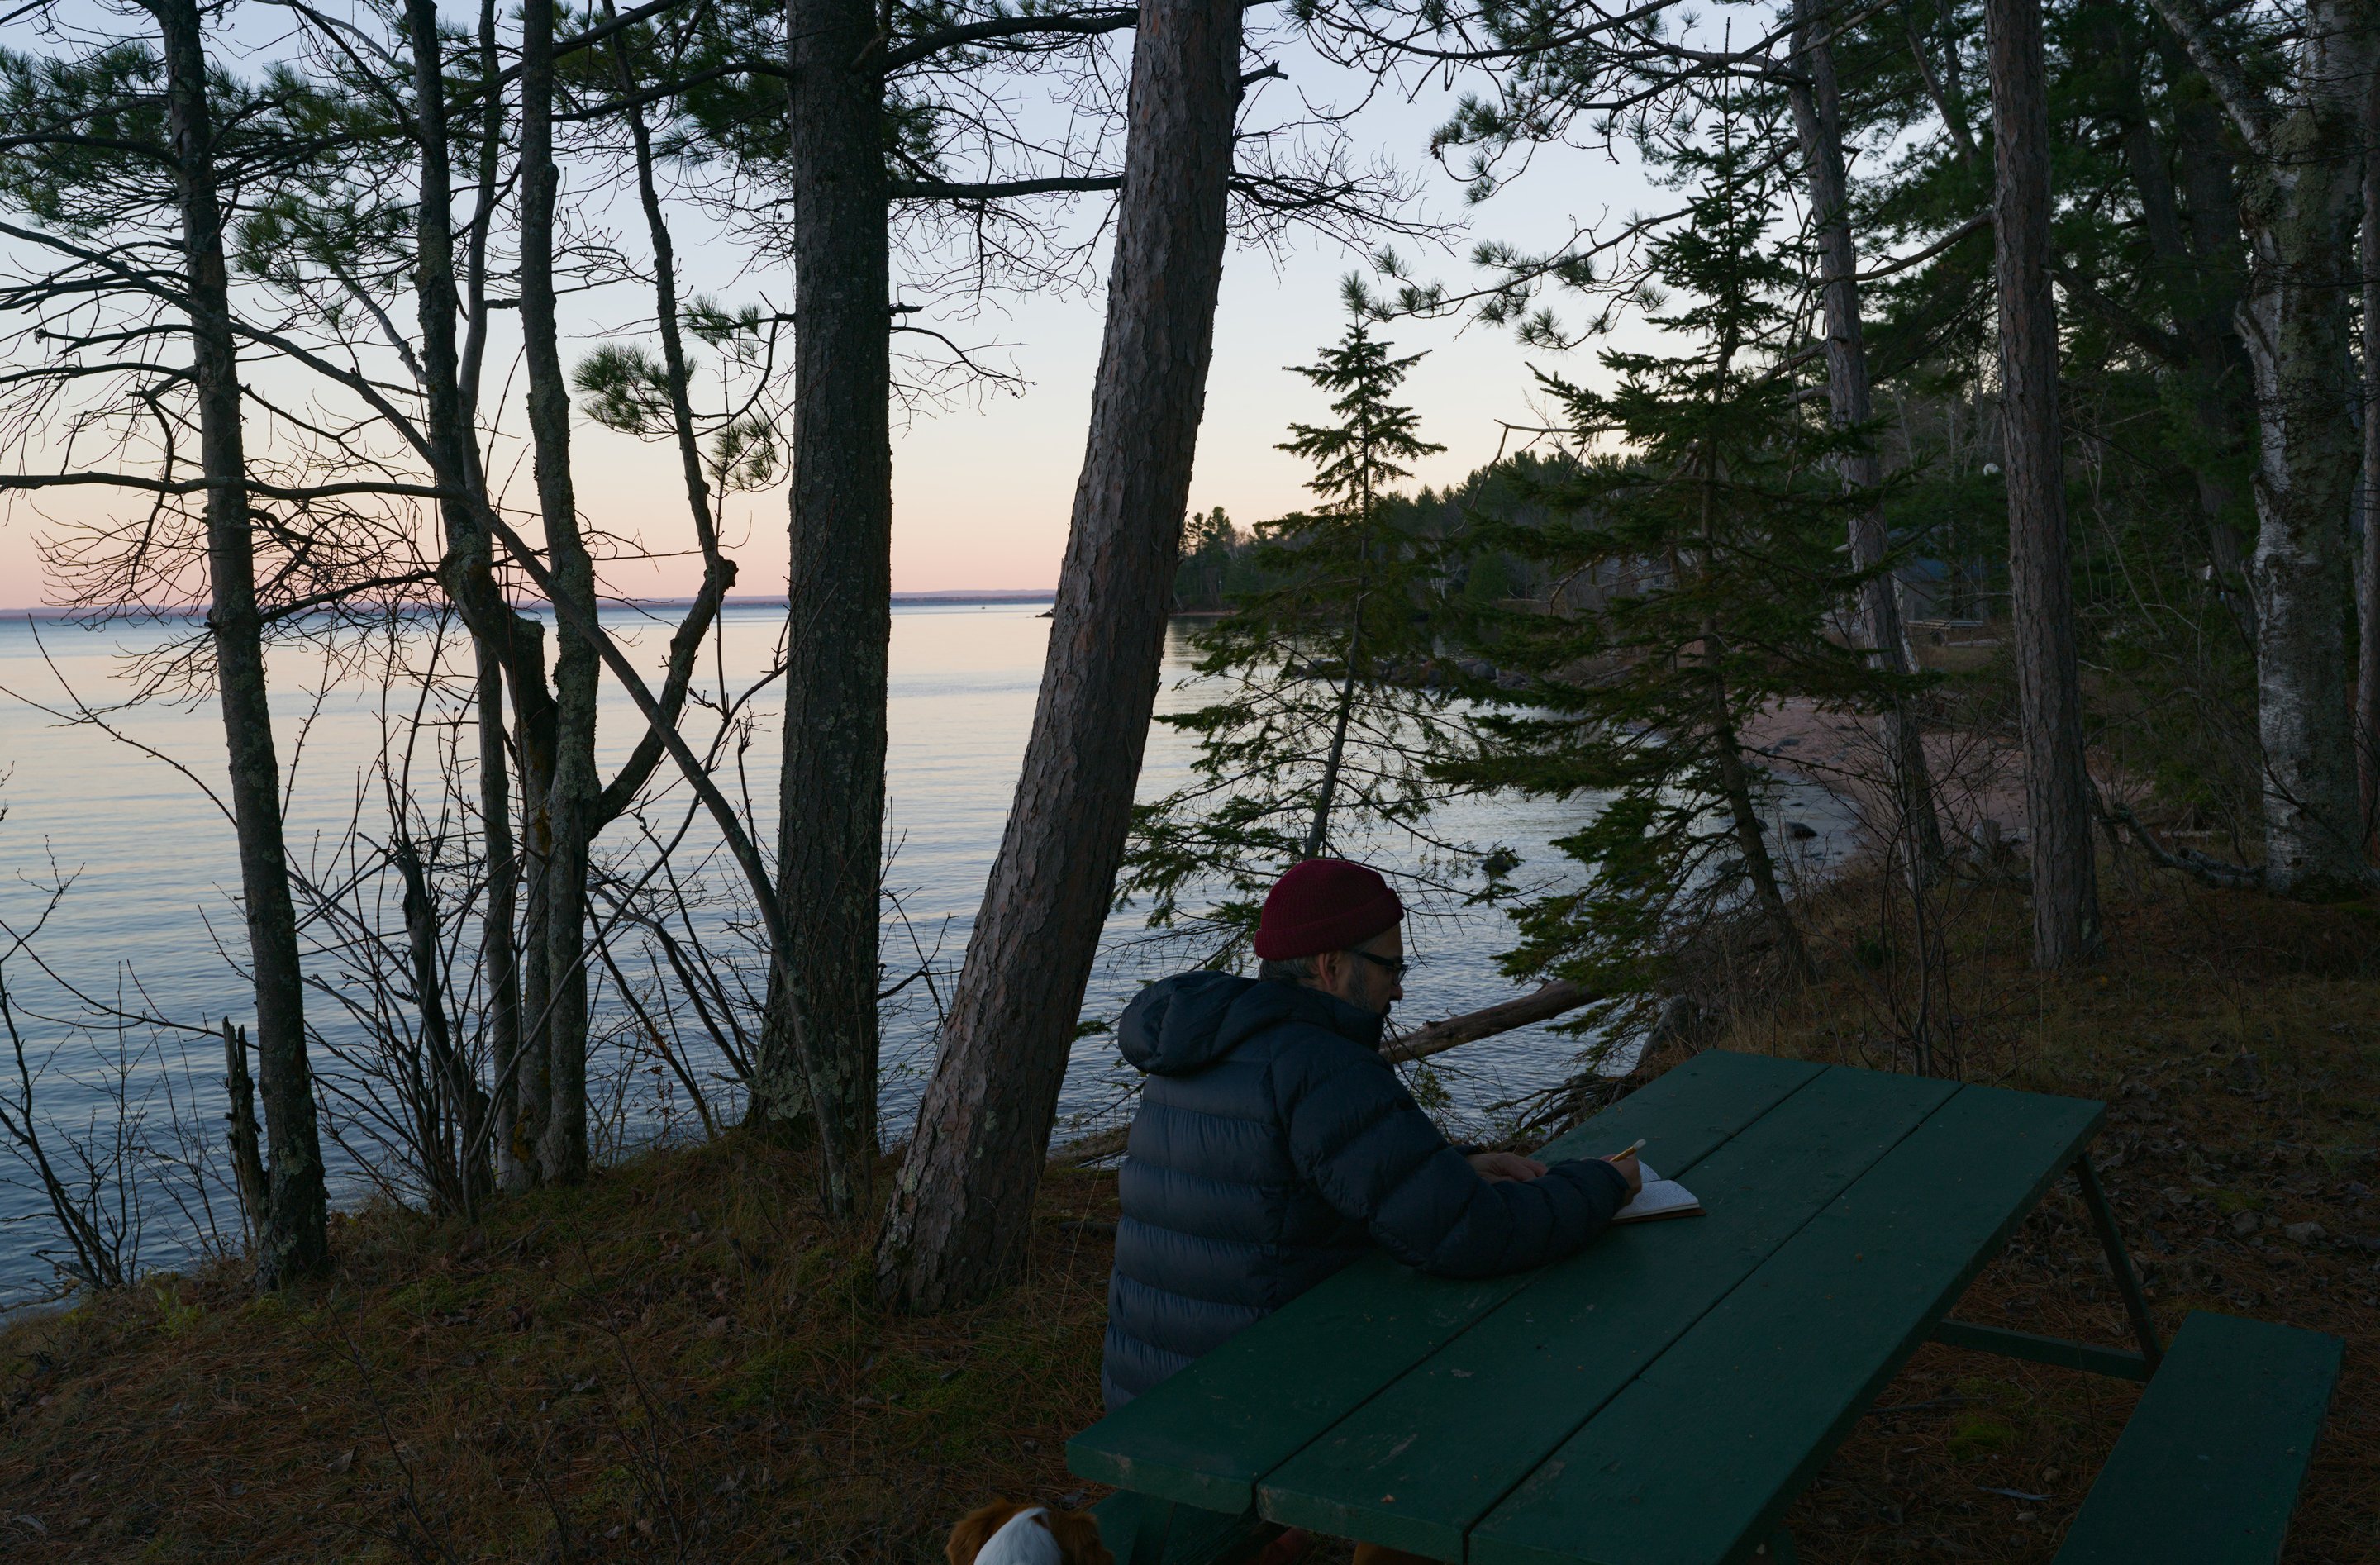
[1005, 1533]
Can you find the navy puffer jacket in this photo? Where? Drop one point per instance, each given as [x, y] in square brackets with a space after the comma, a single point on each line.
[1272, 1147]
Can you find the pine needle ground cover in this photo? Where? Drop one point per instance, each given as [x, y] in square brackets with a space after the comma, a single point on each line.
[679, 1361]
[676, 1362]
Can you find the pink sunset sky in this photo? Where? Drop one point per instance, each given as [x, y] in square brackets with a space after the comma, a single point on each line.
[982, 488]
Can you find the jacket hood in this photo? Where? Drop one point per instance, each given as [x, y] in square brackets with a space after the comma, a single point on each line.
[1187, 1022]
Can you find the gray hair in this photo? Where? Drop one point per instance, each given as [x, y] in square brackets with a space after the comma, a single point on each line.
[1288, 970]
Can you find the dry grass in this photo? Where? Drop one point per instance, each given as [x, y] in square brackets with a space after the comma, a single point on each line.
[681, 1361]
[678, 1363]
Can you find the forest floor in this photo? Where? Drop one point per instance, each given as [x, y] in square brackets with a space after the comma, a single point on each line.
[680, 1360]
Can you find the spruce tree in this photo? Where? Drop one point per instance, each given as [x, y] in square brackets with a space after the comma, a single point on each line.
[1702, 528]
[1329, 707]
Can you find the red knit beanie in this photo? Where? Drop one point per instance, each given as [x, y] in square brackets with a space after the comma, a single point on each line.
[1324, 904]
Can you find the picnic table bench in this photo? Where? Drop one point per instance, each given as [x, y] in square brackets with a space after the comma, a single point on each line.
[1660, 1397]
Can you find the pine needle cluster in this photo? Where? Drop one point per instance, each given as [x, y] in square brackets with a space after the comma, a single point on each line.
[1699, 539]
[1328, 712]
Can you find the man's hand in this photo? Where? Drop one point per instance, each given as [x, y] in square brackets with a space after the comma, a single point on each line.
[1630, 1170]
[1498, 1167]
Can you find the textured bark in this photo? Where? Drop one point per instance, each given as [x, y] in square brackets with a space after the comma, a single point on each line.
[293, 1240]
[570, 797]
[2065, 927]
[246, 1157]
[2301, 189]
[967, 1186]
[829, 833]
[2367, 574]
[1817, 120]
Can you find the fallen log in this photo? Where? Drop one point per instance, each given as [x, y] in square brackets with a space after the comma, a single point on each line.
[1546, 1002]
[1434, 1037]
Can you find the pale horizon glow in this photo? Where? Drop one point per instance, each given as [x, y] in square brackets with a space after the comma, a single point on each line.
[982, 491]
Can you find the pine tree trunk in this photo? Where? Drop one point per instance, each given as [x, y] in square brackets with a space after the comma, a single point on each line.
[830, 822]
[1317, 833]
[2057, 803]
[1744, 818]
[570, 795]
[1817, 116]
[966, 1187]
[294, 1240]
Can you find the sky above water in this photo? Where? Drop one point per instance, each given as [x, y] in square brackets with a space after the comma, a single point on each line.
[983, 484]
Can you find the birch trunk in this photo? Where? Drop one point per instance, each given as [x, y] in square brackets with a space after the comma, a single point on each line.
[1817, 118]
[2301, 189]
[2301, 222]
[2367, 576]
[830, 822]
[294, 1241]
[966, 1185]
[2066, 927]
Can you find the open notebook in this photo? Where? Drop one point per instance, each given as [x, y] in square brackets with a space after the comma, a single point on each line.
[1659, 1199]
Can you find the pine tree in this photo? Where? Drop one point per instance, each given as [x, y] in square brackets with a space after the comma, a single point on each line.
[1213, 556]
[1713, 538]
[1331, 708]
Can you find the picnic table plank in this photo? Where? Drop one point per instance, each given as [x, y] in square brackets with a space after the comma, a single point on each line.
[2209, 1466]
[1694, 1461]
[1414, 1467]
[1206, 1435]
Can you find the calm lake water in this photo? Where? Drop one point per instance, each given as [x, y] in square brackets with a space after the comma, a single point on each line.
[151, 924]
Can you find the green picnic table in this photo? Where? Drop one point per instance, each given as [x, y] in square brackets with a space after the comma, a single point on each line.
[1657, 1398]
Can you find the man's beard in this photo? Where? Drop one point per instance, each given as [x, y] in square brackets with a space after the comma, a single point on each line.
[1366, 997]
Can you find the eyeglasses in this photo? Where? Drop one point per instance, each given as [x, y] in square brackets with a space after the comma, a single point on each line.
[1396, 966]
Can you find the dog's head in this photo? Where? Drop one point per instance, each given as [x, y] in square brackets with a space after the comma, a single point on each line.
[1005, 1533]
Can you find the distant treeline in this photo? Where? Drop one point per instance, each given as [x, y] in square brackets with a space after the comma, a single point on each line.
[1948, 522]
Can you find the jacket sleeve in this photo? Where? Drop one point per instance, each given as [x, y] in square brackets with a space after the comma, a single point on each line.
[1356, 1134]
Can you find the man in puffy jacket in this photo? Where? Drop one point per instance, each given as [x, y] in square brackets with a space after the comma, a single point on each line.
[1274, 1145]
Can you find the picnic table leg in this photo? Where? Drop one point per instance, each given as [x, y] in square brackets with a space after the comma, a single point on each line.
[2136, 1303]
[1155, 1532]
